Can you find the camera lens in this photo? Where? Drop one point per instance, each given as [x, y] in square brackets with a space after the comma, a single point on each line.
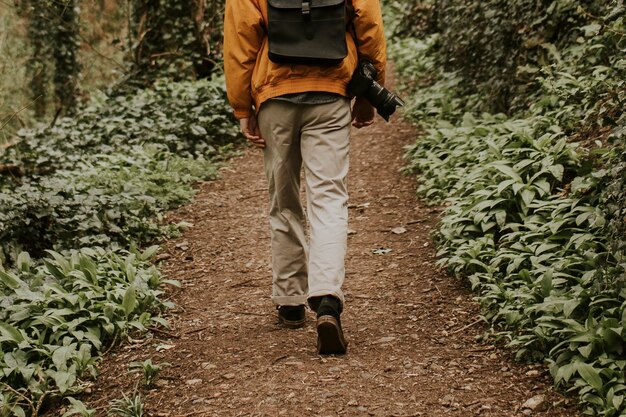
[384, 100]
[363, 84]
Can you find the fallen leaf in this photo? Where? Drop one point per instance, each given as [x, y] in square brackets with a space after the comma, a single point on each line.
[161, 348]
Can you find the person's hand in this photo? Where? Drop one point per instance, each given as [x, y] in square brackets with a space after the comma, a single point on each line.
[363, 113]
[250, 129]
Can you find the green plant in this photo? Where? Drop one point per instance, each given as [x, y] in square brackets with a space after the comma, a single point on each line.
[108, 175]
[57, 316]
[150, 371]
[65, 53]
[127, 407]
[78, 408]
[175, 39]
[535, 199]
[13, 100]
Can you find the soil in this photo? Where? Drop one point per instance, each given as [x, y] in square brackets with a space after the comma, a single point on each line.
[412, 328]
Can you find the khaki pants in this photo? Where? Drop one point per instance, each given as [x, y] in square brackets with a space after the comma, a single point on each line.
[316, 136]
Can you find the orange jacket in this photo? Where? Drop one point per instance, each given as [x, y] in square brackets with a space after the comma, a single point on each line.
[251, 78]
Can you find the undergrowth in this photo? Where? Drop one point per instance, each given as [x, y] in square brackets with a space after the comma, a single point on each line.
[76, 200]
[535, 201]
[107, 175]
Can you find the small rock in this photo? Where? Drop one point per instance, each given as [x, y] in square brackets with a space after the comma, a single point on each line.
[398, 230]
[385, 340]
[447, 400]
[436, 367]
[536, 403]
[193, 381]
[163, 257]
[183, 245]
[229, 376]
[533, 373]
[353, 403]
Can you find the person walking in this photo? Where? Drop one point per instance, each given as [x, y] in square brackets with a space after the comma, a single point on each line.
[300, 114]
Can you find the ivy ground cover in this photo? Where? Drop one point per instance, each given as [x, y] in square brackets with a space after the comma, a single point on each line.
[529, 220]
[81, 197]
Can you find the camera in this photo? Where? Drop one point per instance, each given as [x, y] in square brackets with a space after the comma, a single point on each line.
[363, 84]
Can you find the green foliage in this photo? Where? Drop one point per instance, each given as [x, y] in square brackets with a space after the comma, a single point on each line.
[65, 52]
[107, 175]
[127, 407]
[105, 199]
[57, 315]
[535, 201]
[78, 408]
[72, 196]
[498, 46]
[12, 74]
[615, 199]
[176, 39]
[86, 187]
[150, 371]
[185, 118]
[40, 27]
[53, 31]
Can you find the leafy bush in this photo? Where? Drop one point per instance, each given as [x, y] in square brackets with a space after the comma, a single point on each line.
[535, 201]
[107, 198]
[497, 46]
[107, 175]
[615, 199]
[185, 118]
[175, 39]
[72, 195]
[56, 316]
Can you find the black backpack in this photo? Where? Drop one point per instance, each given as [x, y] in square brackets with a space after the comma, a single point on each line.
[308, 31]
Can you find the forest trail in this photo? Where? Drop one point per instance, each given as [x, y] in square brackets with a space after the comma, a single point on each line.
[410, 326]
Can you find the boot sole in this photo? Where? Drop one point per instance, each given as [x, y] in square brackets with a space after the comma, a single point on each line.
[292, 324]
[330, 338]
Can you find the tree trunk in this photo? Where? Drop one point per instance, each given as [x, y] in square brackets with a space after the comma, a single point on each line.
[38, 33]
[175, 38]
[67, 68]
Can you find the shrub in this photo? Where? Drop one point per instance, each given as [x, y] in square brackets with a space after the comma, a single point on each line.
[107, 175]
[535, 199]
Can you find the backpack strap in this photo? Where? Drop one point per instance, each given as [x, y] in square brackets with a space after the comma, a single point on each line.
[306, 10]
[350, 15]
[309, 30]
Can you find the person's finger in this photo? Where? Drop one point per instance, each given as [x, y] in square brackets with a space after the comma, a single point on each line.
[256, 140]
[362, 123]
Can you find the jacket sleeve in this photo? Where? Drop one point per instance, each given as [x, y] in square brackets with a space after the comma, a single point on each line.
[370, 35]
[243, 37]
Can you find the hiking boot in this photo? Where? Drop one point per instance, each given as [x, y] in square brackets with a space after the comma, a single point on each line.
[330, 339]
[292, 317]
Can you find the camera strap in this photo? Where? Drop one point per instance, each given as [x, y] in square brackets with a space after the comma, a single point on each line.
[308, 31]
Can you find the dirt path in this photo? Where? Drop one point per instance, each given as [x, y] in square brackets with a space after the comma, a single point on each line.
[411, 328]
